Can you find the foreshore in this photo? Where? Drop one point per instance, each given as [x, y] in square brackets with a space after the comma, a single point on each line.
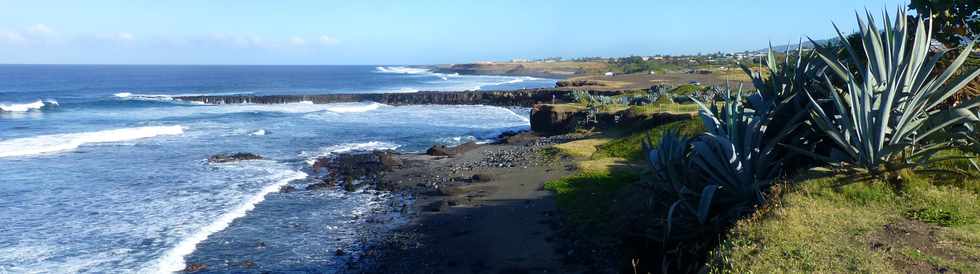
[481, 209]
[474, 208]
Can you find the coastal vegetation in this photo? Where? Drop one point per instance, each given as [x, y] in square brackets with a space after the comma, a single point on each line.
[828, 163]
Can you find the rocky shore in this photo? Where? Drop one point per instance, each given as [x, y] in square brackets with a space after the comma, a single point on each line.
[477, 208]
[520, 98]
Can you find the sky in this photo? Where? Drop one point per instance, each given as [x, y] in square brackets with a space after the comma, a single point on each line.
[367, 32]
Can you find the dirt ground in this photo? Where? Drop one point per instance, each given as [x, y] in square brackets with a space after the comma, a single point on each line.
[503, 222]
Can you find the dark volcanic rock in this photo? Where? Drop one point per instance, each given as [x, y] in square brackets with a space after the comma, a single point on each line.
[225, 158]
[517, 138]
[326, 184]
[481, 177]
[443, 150]
[578, 83]
[524, 97]
[354, 170]
[437, 206]
[358, 164]
[191, 268]
[439, 150]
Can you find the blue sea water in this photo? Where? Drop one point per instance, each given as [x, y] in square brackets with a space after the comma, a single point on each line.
[102, 171]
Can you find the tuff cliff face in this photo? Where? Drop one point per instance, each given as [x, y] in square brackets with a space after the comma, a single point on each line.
[556, 119]
[560, 119]
[522, 98]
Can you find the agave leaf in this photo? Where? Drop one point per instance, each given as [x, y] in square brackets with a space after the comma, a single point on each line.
[670, 218]
[704, 205]
[946, 118]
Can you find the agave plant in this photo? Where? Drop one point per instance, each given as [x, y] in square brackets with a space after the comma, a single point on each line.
[718, 176]
[778, 101]
[886, 109]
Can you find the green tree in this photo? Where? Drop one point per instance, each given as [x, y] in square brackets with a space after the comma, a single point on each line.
[954, 19]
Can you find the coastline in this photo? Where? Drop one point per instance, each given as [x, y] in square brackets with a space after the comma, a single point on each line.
[482, 210]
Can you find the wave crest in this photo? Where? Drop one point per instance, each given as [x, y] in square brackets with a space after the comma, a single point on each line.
[63, 142]
[173, 259]
[402, 70]
[27, 107]
[167, 97]
[353, 107]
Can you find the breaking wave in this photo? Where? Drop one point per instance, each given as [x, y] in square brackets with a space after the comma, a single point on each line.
[173, 259]
[32, 106]
[64, 142]
[402, 70]
[167, 97]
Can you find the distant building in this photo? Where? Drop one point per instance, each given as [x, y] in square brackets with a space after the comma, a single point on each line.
[519, 60]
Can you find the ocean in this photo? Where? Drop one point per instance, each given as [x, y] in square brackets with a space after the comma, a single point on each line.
[102, 171]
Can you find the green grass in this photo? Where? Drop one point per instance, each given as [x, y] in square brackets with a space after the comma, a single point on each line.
[586, 200]
[684, 90]
[581, 195]
[630, 147]
[829, 225]
[938, 216]
[958, 171]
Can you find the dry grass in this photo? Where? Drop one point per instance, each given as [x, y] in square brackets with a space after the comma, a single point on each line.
[581, 149]
[823, 227]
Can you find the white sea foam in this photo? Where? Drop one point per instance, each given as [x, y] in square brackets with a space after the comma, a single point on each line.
[348, 147]
[63, 142]
[26, 107]
[167, 97]
[173, 259]
[152, 113]
[522, 117]
[402, 70]
[353, 107]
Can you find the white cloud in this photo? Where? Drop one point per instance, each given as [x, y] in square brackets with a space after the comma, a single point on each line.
[297, 41]
[40, 29]
[234, 40]
[37, 34]
[327, 40]
[12, 38]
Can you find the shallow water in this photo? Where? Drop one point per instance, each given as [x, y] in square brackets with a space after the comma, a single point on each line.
[98, 181]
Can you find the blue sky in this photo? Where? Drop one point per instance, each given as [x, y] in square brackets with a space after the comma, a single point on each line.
[401, 32]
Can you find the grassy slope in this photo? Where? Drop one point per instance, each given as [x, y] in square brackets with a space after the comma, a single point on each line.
[586, 198]
[630, 147]
[819, 226]
[816, 227]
